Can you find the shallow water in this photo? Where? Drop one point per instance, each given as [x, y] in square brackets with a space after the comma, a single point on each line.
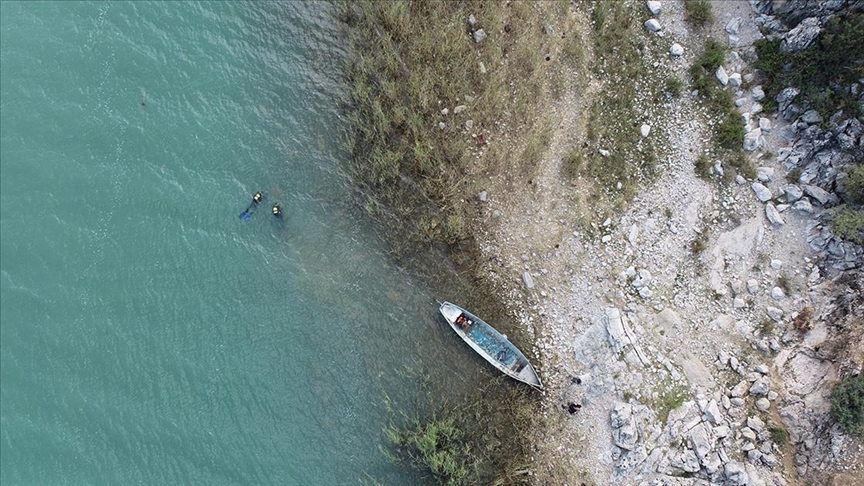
[148, 335]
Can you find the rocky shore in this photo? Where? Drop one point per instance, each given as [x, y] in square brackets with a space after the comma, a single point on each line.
[702, 329]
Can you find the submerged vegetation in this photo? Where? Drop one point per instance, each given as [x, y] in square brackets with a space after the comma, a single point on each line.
[473, 442]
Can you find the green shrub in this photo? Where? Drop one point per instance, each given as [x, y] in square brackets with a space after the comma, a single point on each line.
[729, 132]
[572, 163]
[766, 327]
[671, 397]
[699, 244]
[823, 71]
[698, 12]
[855, 184]
[849, 225]
[702, 165]
[674, 86]
[779, 435]
[847, 404]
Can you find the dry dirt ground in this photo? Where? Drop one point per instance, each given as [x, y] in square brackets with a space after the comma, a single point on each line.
[687, 317]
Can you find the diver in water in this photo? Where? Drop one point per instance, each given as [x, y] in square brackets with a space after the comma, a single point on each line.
[256, 199]
[277, 210]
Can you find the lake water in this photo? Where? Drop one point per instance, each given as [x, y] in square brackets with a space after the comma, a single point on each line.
[148, 335]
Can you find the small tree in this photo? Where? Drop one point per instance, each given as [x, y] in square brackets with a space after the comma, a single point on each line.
[847, 404]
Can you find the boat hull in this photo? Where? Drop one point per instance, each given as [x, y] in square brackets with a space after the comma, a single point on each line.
[493, 346]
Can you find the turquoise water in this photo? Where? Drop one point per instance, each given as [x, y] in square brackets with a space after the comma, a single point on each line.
[147, 335]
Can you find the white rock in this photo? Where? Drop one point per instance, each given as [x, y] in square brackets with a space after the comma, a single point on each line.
[459, 109]
[752, 286]
[762, 192]
[736, 473]
[757, 93]
[676, 50]
[763, 404]
[819, 194]
[712, 413]
[654, 7]
[777, 293]
[765, 124]
[652, 25]
[734, 26]
[528, 280]
[645, 130]
[442, 125]
[739, 179]
[479, 35]
[804, 206]
[721, 75]
[756, 108]
[735, 80]
[776, 264]
[482, 196]
[642, 278]
[765, 174]
[773, 215]
[469, 124]
[606, 238]
[774, 313]
[740, 389]
[445, 111]
[753, 139]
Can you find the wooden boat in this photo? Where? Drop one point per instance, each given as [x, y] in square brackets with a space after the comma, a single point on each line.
[490, 344]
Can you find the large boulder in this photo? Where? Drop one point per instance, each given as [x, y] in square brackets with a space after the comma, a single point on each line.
[762, 192]
[735, 473]
[801, 36]
[625, 437]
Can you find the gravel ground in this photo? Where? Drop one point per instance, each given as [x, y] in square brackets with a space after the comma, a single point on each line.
[693, 308]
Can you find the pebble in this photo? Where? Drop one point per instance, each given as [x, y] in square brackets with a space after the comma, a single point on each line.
[777, 293]
[721, 75]
[645, 130]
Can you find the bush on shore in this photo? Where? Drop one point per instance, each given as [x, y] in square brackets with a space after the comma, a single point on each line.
[847, 404]
[823, 72]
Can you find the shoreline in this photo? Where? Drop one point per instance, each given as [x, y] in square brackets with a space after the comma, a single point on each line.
[648, 302]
